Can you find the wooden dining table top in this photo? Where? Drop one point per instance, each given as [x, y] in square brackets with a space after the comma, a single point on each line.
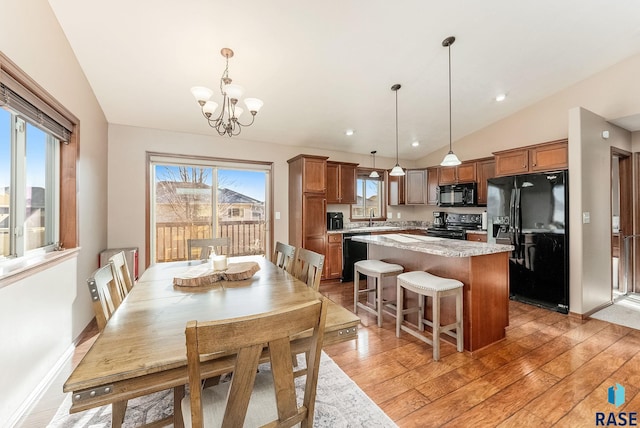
[142, 348]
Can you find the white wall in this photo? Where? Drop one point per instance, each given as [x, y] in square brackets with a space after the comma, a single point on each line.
[31, 37]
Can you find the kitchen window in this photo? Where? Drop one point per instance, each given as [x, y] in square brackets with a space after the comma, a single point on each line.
[37, 141]
[369, 197]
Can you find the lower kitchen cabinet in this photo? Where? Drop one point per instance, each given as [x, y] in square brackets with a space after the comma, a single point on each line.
[477, 237]
[333, 257]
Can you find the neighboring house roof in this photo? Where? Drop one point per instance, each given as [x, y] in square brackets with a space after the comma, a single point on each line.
[169, 191]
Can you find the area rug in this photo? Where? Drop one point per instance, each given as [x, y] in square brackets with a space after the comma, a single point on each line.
[624, 312]
[340, 403]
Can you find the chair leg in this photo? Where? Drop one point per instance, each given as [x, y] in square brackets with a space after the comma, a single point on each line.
[178, 394]
[459, 322]
[421, 305]
[378, 283]
[399, 308]
[356, 289]
[436, 326]
[117, 413]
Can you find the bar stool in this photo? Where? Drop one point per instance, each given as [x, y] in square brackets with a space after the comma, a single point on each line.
[428, 285]
[378, 270]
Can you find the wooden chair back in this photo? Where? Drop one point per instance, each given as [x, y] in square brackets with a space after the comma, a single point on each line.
[121, 272]
[284, 255]
[203, 244]
[246, 337]
[308, 267]
[106, 294]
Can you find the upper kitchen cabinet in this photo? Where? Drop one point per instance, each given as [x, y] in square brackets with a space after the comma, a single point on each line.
[310, 172]
[537, 158]
[395, 189]
[416, 186]
[432, 186]
[486, 169]
[341, 182]
[463, 173]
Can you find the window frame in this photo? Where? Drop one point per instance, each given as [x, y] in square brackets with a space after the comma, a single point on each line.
[67, 214]
[363, 173]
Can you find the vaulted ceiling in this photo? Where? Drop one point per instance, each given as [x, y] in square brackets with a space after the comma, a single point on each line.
[324, 67]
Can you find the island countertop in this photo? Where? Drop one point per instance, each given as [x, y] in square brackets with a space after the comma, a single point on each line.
[433, 245]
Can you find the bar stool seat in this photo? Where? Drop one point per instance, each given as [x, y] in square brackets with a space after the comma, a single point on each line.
[378, 270]
[428, 285]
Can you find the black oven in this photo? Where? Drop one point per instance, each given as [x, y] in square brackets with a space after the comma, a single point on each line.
[458, 195]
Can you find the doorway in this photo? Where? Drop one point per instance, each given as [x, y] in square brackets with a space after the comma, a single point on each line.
[622, 240]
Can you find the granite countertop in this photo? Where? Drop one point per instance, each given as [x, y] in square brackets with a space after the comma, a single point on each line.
[432, 245]
[477, 232]
[376, 229]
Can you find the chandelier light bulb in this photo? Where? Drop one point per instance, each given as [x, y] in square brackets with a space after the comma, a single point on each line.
[209, 107]
[233, 91]
[253, 105]
[201, 94]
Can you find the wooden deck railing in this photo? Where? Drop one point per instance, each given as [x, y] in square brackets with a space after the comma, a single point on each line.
[247, 238]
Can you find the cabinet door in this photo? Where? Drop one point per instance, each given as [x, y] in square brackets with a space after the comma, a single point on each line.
[416, 180]
[432, 186]
[447, 175]
[512, 162]
[314, 175]
[348, 183]
[395, 190]
[333, 259]
[333, 183]
[466, 172]
[314, 222]
[548, 157]
[486, 170]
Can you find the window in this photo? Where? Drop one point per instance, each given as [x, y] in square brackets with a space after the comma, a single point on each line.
[33, 127]
[369, 197]
[199, 197]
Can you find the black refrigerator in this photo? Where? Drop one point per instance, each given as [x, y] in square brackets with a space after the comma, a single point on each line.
[531, 212]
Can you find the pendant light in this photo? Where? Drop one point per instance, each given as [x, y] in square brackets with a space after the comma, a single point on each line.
[374, 173]
[397, 170]
[450, 159]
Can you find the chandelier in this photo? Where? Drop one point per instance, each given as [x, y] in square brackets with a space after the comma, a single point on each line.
[226, 122]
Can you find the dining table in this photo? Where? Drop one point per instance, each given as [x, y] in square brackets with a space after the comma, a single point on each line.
[142, 348]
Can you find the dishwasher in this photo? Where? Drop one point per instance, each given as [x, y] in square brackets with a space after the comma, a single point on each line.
[352, 252]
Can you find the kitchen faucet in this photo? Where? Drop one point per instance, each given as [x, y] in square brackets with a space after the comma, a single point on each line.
[371, 217]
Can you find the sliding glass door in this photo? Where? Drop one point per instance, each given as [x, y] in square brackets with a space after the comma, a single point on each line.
[196, 199]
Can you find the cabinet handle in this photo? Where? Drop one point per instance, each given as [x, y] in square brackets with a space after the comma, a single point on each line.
[534, 164]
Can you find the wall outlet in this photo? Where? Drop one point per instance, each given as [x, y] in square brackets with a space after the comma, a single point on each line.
[389, 215]
[586, 217]
[398, 215]
[277, 215]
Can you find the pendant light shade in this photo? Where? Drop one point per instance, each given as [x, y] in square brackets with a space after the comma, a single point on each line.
[397, 170]
[374, 173]
[450, 159]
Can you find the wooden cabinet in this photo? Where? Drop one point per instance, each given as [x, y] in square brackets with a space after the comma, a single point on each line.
[477, 237]
[486, 169]
[416, 186]
[307, 202]
[395, 189]
[341, 182]
[538, 158]
[432, 186]
[463, 173]
[333, 257]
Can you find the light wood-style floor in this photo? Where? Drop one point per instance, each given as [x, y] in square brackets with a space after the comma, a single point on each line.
[551, 370]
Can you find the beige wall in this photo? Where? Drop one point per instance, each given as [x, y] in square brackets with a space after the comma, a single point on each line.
[31, 37]
[127, 152]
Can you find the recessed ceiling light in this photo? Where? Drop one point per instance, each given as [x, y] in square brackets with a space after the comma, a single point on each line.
[349, 132]
[501, 97]
[415, 143]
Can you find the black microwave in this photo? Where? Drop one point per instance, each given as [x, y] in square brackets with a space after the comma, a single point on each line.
[458, 195]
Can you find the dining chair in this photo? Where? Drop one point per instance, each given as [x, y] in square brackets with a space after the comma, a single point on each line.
[106, 294]
[308, 266]
[204, 244]
[121, 272]
[284, 255]
[250, 398]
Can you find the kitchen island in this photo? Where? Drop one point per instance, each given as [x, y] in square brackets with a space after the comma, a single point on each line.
[482, 268]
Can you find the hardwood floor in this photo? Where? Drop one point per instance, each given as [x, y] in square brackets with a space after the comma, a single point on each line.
[551, 370]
